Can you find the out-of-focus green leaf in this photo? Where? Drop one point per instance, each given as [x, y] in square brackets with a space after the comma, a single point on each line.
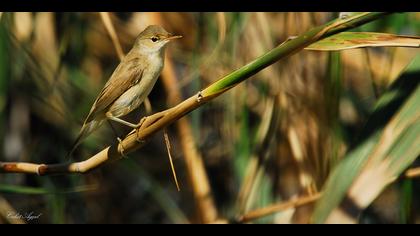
[243, 145]
[56, 204]
[407, 200]
[333, 90]
[395, 23]
[390, 144]
[6, 188]
[352, 40]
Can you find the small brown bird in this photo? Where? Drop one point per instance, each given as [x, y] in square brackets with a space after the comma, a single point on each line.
[131, 82]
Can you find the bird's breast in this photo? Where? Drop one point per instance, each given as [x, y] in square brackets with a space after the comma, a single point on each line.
[134, 97]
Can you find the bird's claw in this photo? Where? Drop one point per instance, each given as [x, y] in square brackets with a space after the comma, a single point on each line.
[122, 148]
[145, 120]
[138, 129]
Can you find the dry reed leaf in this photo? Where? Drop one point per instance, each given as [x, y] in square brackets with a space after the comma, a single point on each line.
[45, 49]
[106, 19]
[221, 22]
[352, 40]
[168, 149]
[23, 25]
[45, 43]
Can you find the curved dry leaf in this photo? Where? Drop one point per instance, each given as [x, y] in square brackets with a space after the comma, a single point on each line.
[352, 40]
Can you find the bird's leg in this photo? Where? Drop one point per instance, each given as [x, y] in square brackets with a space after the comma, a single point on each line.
[116, 119]
[118, 138]
[139, 126]
[147, 120]
[113, 129]
[137, 130]
[122, 148]
[121, 121]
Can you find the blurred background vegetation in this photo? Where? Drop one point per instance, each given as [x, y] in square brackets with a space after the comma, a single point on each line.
[273, 138]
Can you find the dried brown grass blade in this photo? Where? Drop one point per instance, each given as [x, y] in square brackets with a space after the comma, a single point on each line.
[168, 148]
[106, 19]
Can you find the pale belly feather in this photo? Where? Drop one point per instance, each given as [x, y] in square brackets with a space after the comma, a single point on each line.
[135, 96]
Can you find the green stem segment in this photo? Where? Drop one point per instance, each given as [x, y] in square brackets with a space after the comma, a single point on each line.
[288, 48]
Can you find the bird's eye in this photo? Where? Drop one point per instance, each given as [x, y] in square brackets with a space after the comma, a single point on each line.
[154, 39]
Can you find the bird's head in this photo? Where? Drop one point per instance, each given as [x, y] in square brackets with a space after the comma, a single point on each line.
[154, 38]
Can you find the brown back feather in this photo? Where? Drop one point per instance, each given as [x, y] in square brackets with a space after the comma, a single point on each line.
[127, 74]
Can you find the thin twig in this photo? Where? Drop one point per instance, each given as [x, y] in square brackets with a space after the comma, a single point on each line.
[168, 148]
[147, 106]
[412, 173]
[265, 211]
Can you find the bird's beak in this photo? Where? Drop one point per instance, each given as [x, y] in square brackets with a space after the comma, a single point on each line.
[173, 37]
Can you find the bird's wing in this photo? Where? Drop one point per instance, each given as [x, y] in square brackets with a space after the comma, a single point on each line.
[127, 74]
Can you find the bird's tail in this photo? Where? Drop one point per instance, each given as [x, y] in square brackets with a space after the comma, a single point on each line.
[86, 130]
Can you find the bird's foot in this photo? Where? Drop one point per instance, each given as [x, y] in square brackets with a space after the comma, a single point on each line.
[122, 148]
[144, 123]
[138, 129]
